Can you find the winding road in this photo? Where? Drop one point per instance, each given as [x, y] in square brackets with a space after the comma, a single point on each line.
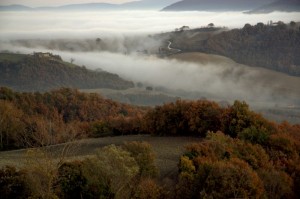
[173, 49]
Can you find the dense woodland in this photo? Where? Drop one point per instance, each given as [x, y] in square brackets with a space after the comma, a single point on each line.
[275, 46]
[44, 71]
[39, 119]
[243, 155]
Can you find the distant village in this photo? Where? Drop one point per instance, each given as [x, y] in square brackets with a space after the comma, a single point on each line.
[47, 55]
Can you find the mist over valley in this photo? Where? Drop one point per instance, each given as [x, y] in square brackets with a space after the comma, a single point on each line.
[149, 99]
[129, 43]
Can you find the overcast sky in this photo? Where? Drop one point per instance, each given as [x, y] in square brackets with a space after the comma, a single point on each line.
[35, 3]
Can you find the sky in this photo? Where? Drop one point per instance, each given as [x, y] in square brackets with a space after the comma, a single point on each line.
[36, 3]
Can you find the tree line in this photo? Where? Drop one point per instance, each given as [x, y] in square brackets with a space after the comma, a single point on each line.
[40, 119]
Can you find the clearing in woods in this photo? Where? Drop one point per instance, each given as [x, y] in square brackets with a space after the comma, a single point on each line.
[167, 150]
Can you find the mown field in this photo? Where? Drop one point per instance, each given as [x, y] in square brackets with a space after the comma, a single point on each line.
[167, 150]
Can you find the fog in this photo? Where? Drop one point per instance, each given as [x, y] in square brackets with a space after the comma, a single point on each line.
[54, 25]
[123, 34]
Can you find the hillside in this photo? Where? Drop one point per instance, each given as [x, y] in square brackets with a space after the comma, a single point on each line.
[216, 5]
[231, 149]
[133, 5]
[143, 96]
[44, 71]
[280, 5]
[26, 119]
[15, 8]
[275, 46]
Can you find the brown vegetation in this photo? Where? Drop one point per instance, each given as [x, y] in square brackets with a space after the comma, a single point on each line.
[36, 119]
[247, 157]
[44, 71]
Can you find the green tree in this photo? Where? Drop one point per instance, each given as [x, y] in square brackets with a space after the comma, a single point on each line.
[144, 156]
[112, 169]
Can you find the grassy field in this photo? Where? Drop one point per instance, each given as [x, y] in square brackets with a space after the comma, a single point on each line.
[167, 150]
[11, 57]
[279, 82]
[268, 77]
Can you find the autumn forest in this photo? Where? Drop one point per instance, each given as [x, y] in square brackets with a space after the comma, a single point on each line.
[242, 155]
[149, 99]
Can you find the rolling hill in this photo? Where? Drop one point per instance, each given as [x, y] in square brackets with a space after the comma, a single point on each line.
[274, 46]
[44, 71]
[281, 5]
[216, 5]
[15, 8]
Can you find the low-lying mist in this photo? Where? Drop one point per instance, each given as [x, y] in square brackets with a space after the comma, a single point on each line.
[113, 41]
[213, 79]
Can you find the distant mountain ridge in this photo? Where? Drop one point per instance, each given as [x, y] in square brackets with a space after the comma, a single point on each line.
[15, 8]
[216, 5]
[280, 5]
[44, 71]
[144, 4]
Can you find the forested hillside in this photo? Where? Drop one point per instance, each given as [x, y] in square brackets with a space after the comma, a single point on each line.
[44, 71]
[242, 154]
[40, 119]
[275, 46]
[279, 5]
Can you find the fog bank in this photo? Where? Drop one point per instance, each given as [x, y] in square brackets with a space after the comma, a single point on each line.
[55, 25]
[121, 35]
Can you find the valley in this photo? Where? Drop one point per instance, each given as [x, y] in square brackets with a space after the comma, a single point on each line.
[149, 99]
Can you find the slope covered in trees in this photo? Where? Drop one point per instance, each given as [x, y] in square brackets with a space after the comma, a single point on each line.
[44, 71]
[40, 119]
[243, 155]
[275, 46]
